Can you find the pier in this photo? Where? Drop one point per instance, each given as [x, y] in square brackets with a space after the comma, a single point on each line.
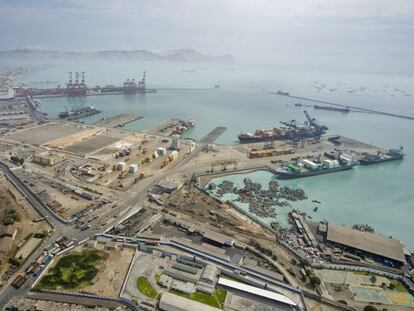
[213, 135]
[353, 108]
[119, 120]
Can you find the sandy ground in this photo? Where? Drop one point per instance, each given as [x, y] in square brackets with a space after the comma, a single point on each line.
[73, 138]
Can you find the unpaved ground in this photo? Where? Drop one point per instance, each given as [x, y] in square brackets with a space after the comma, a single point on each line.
[26, 226]
[111, 276]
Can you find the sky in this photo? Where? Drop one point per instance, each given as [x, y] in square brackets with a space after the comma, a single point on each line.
[373, 31]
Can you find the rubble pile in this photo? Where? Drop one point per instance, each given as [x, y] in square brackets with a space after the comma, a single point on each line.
[262, 202]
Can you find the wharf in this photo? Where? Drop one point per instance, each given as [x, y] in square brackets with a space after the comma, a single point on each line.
[352, 108]
[213, 135]
[119, 120]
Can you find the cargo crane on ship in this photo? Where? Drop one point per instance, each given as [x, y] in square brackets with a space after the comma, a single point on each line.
[291, 131]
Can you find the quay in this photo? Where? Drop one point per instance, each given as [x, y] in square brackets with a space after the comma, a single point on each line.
[119, 120]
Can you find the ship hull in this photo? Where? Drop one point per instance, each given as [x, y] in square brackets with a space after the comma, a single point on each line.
[371, 162]
[290, 175]
[258, 139]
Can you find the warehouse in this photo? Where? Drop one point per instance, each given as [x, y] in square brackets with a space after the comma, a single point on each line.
[388, 251]
[171, 302]
[277, 300]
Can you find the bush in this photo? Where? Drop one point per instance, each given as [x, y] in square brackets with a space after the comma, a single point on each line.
[370, 308]
[315, 280]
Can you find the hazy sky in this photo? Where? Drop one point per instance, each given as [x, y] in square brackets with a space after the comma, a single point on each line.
[361, 30]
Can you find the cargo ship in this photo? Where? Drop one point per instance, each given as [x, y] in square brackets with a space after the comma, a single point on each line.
[330, 108]
[79, 112]
[291, 131]
[181, 126]
[309, 168]
[392, 155]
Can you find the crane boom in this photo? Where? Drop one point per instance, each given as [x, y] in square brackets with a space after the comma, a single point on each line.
[310, 120]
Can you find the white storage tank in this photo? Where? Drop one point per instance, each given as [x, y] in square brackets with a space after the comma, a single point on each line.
[133, 168]
[174, 155]
[122, 166]
[175, 143]
[162, 151]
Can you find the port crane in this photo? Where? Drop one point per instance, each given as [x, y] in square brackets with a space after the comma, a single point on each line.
[291, 123]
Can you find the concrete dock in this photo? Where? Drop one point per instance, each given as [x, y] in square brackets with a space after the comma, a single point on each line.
[119, 120]
[213, 135]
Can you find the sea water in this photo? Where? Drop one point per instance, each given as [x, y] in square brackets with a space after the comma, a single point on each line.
[380, 195]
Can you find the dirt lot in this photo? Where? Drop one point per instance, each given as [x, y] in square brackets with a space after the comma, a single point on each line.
[92, 144]
[109, 280]
[24, 226]
[77, 137]
[41, 134]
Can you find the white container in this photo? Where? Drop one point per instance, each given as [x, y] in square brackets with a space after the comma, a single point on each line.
[175, 143]
[162, 151]
[155, 155]
[310, 164]
[133, 168]
[122, 166]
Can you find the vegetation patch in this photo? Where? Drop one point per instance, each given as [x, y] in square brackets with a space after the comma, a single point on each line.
[145, 287]
[73, 270]
[10, 217]
[215, 300]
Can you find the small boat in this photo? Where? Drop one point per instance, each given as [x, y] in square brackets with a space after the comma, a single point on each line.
[315, 209]
[316, 201]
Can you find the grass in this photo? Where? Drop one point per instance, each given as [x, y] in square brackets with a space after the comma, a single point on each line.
[73, 271]
[215, 300]
[145, 287]
[157, 277]
[399, 287]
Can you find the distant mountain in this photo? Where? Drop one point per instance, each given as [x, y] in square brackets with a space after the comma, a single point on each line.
[173, 55]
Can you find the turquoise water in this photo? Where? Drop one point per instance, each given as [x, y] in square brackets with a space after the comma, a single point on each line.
[380, 195]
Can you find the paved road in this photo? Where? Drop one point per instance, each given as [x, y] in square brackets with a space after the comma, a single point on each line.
[83, 299]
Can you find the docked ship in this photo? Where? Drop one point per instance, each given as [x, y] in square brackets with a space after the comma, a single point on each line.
[182, 126]
[391, 155]
[310, 129]
[309, 168]
[330, 108]
[79, 112]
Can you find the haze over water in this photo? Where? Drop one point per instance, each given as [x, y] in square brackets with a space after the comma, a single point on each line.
[379, 195]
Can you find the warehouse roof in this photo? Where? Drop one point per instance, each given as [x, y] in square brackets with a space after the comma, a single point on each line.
[368, 242]
[257, 291]
[174, 302]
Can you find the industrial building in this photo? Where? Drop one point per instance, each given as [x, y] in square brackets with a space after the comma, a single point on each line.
[171, 302]
[47, 158]
[388, 251]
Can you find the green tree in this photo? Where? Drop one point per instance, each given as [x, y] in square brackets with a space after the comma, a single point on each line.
[370, 308]
[315, 280]
[373, 279]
